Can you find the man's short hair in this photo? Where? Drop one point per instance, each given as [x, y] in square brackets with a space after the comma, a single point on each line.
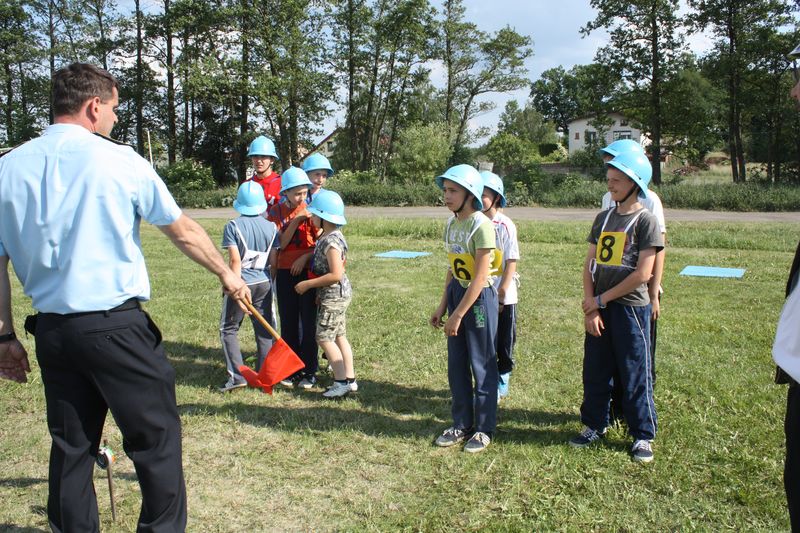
[73, 85]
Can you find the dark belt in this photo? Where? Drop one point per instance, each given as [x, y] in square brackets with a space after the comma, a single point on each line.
[127, 305]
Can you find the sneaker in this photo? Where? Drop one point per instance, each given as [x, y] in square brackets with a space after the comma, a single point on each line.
[502, 385]
[232, 385]
[288, 383]
[307, 382]
[353, 385]
[586, 437]
[450, 437]
[477, 443]
[337, 390]
[642, 451]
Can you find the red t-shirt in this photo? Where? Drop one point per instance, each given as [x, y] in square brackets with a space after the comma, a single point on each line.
[272, 187]
[303, 239]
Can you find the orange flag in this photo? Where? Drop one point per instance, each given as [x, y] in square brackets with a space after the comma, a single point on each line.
[280, 363]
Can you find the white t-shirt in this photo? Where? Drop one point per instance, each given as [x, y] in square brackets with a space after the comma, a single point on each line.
[651, 202]
[506, 242]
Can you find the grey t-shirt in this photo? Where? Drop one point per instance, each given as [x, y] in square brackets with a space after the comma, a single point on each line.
[618, 247]
[258, 233]
[340, 290]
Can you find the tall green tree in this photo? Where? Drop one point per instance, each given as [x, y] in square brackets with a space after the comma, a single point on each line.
[555, 96]
[645, 39]
[733, 23]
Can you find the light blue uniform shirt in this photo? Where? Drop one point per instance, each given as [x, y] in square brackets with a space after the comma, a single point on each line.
[70, 207]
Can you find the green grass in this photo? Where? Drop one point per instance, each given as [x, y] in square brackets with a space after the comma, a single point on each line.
[294, 461]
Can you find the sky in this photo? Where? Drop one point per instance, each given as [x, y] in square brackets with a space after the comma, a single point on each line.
[554, 28]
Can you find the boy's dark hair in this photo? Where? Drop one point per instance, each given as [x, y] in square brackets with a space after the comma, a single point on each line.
[73, 85]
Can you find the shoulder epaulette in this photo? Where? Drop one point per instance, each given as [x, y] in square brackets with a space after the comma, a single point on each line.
[115, 141]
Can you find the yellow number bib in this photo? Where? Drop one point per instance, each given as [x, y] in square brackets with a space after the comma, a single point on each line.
[496, 267]
[462, 266]
[610, 247]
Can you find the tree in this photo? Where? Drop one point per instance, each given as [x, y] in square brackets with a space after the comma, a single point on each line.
[645, 40]
[555, 96]
[527, 124]
[733, 22]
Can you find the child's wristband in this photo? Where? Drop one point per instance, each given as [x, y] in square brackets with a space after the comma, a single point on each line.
[599, 302]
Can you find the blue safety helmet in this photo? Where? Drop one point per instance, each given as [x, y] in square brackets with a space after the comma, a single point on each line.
[622, 146]
[636, 166]
[262, 146]
[467, 177]
[250, 199]
[329, 206]
[317, 161]
[495, 183]
[294, 177]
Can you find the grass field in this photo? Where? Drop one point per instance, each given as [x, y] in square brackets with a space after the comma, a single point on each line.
[297, 462]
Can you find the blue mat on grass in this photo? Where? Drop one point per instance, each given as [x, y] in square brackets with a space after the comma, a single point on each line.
[712, 272]
[401, 254]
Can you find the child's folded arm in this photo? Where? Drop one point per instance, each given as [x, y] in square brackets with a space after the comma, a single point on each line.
[640, 276]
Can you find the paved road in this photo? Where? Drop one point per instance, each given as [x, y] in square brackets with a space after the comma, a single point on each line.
[533, 213]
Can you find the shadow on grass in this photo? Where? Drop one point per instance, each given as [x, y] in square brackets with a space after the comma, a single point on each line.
[385, 409]
[21, 482]
[196, 366]
[11, 528]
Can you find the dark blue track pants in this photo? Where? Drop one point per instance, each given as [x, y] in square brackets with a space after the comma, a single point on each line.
[506, 338]
[298, 318]
[471, 354]
[625, 346]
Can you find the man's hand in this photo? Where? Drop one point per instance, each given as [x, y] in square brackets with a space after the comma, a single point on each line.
[299, 265]
[237, 289]
[14, 361]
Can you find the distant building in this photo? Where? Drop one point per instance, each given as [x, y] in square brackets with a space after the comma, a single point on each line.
[327, 145]
[581, 134]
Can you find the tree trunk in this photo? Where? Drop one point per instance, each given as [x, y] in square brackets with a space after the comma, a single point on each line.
[655, 98]
[138, 96]
[172, 128]
[351, 83]
[9, 105]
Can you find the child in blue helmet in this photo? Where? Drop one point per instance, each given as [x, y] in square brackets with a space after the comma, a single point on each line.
[470, 300]
[504, 268]
[297, 235]
[333, 290]
[263, 156]
[623, 243]
[250, 242]
[318, 169]
[652, 203]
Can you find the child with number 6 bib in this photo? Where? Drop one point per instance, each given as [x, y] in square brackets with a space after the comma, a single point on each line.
[470, 300]
[623, 244]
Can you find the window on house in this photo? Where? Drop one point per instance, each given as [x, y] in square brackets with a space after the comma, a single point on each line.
[622, 134]
[623, 122]
[590, 137]
[330, 146]
[577, 136]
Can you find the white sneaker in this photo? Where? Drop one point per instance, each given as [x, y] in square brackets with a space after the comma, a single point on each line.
[337, 390]
[353, 386]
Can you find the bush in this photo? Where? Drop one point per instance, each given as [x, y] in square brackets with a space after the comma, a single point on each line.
[588, 162]
[187, 175]
[213, 197]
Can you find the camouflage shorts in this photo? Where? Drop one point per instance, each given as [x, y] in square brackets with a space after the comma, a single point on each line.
[331, 322]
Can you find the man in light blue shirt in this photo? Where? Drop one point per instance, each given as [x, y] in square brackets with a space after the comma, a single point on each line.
[71, 202]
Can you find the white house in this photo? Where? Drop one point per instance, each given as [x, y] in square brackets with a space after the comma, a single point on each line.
[582, 134]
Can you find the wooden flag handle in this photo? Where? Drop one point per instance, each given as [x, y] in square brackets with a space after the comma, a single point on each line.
[262, 320]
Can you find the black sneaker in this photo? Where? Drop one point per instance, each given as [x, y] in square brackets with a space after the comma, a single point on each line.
[642, 451]
[451, 437]
[477, 443]
[586, 437]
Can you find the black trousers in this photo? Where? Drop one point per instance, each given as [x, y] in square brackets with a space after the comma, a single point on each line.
[616, 412]
[93, 362]
[791, 471]
[298, 319]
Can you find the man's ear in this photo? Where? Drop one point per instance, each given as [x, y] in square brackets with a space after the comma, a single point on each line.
[92, 109]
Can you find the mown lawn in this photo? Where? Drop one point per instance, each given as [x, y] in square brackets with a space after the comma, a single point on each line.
[297, 462]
